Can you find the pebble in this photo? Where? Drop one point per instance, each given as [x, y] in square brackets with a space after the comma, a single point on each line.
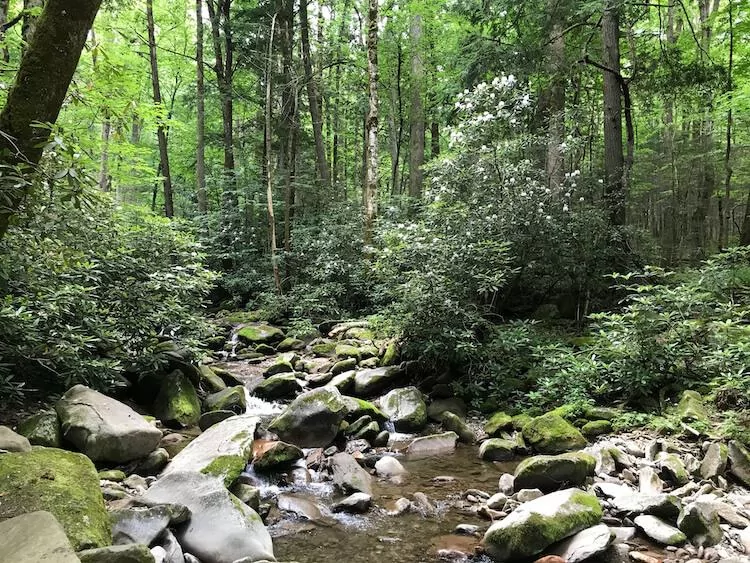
[466, 530]
[506, 483]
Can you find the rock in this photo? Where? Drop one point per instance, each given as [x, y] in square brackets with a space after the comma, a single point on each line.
[497, 501]
[114, 475]
[303, 507]
[278, 387]
[527, 495]
[673, 469]
[357, 503]
[229, 399]
[248, 494]
[389, 466]
[536, 525]
[584, 545]
[221, 451]
[41, 429]
[700, 522]
[221, 529]
[358, 408]
[343, 366]
[691, 408]
[63, 483]
[369, 432]
[349, 476]
[133, 553]
[382, 439]
[312, 419]
[12, 442]
[401, 506]
[466, 530]
[177, 403]
[103, 428]
[390, 356]
[273, 455]
[739, 459]
[153, 464]
[612, 490]
[649, 482]
[521, 420]
[144, 525]
[552, 434]
[344, 382]
[433, 444]
[211, 379]
[318, 379]
[289, 344]
[406, 408]
[437, 407]
[498, 422]
[455, 424]
[662, 505]
[423, 505]
[714, 461]
[33, 538]
[548, 473]
[600, 413]
[358, 425]
[368, 382]
[208, 419]
[345, 351]
[596, 428]
[282, 364]
[659, 531]
[497, 449]
[260, 334]
[506, 483]
[172, 548]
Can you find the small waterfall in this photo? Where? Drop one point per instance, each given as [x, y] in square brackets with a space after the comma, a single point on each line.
[258, 407]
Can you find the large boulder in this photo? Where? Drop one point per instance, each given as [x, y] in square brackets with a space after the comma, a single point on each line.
[103, 428]
[437, 407]
[229, 399]
[221, 529]
[433, 444]
[498, 423]
[312, 420]
[12, 442]
[538, 524]
[405, 408]
[662, 505]
[549, 473]
[260, 334]
[584, 545]
[269, 455]
[659, 530]
[145, 524]
[369, 382]
[691, 408]
[42, 429]
[349, 476]
[497, 449]
[700, 522]
[739, 460]
[63, 483]
[552, 434]
[35, 537]
[177, 403]
[277, 387]
[221, 451]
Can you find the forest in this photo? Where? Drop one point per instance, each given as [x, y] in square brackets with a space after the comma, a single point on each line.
[525, 224]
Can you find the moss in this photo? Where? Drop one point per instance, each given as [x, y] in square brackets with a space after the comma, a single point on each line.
[521, 420]
[347, 351]
[551, 434]
[290, 344]
[212, 379]
[324, 348]
[550, 472]
[177, 401]
[226, 467]
[63, 483]
[240, 317]
[691, 408]
[497, 423]
[365, 408]
[390, 356]
[260, 334]
[674, 468]
[230, 399]
[368, 351]
[360, 333]
[112, 475]
[596, 428]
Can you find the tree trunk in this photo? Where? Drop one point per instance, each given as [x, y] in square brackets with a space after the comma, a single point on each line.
[313, 98]
[5, 53]
[434, 140]
[39, 90]
[371, 123]
[161, 133]
[614, 163]
[555, 99]
[30, 20]
[269, 164]
[397, 126]
[105, 179]
[200, 95]
[416, 113]
[725, 212]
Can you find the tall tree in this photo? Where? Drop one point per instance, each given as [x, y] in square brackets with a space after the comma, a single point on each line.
[614, 162]
[371, 123]
[555, 95]
[416, 112]
[269, 162]
[314, 100]
[200, 95]
[31, 16]
[161, 132]
[37, 95]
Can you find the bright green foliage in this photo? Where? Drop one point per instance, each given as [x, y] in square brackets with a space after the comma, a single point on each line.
[88, 288]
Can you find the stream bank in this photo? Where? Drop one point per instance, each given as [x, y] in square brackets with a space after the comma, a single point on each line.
[441, 484]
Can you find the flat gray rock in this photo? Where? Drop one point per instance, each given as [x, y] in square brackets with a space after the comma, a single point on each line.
[12, 442]
[659, 531]
[36, 537]
[105, 429]
[349, 476]
[584, 544]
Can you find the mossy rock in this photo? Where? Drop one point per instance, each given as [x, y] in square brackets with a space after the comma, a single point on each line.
[456, 424]
[344, 365]
[177, 403]
[596, 428]
[260, 334]
[406, 409]
[673, 469]
[548, 473]
[211, 380]
[61, 482]
[242, 317]
[368, 352]
[601, 413]
[691, 408]
[230, 399]
[312, 419]
[455, 405]
[521, 420]
[497, 449]
[360, 333]
[390, 355]
[289, 344]
[264, 350]
[130, 553]
[114, 475]
[369, 363]
[498, 422]
[42, 429]
[358, 408]
[347, 351]
[275, 455]
[552, 434]
[278, 387]
[536, 525]
[323, 348]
